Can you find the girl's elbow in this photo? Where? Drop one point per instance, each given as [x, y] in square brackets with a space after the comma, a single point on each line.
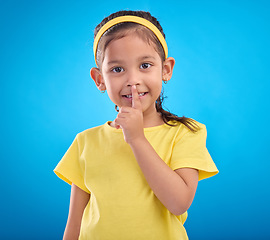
[178, 211]
[180, 207]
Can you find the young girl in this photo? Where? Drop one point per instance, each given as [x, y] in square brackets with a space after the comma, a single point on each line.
[134, 177]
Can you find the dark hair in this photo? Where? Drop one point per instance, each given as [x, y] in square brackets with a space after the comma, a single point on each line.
[118, 31]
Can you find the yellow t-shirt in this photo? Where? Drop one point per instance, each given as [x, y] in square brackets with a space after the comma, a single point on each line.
[122, 206]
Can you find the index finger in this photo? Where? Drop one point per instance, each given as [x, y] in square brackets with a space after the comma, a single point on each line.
[136, 103]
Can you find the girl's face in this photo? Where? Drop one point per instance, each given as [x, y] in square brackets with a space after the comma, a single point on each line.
[132, 61]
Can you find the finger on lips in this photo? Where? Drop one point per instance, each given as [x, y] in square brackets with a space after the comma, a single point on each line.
[135, 97]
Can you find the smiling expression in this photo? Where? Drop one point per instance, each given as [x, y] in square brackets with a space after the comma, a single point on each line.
[132, 61]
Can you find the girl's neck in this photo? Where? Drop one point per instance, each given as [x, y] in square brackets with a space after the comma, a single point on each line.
[153, 120]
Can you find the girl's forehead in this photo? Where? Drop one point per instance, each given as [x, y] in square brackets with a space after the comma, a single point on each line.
[134, 36]
[130, 35]
[131, 43]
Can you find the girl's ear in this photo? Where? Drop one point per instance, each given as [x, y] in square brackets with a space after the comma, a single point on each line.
[98, 79]
[168, 68]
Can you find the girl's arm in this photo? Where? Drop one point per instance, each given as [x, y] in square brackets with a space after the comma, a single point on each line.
[175, 189]
[78, 202]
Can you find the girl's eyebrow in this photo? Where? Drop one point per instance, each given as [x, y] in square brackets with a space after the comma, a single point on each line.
[146, 57]
[115, 62]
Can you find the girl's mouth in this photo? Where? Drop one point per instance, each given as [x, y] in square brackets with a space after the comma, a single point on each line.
[129, 96]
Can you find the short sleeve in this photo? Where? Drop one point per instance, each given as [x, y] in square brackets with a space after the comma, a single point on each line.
[190, 152]
[69, 168]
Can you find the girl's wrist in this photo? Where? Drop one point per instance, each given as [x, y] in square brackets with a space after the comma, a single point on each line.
[138, 142]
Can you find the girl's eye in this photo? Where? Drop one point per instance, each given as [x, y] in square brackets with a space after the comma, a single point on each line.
[145, 65]
[117, 69]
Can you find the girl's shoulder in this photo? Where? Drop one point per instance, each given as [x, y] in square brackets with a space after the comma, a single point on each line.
[91, 131]
[181, 131]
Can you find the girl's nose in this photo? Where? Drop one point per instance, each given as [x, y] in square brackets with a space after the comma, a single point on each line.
[133, 79]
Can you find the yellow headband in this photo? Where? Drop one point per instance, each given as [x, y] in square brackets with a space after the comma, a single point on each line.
[134, 19]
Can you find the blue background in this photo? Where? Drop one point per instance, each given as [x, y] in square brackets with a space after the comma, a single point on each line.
[221, 78]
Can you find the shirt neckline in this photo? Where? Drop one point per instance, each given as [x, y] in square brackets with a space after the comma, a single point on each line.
[148, 129]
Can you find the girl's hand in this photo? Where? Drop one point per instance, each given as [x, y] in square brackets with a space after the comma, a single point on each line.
[130, 119]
